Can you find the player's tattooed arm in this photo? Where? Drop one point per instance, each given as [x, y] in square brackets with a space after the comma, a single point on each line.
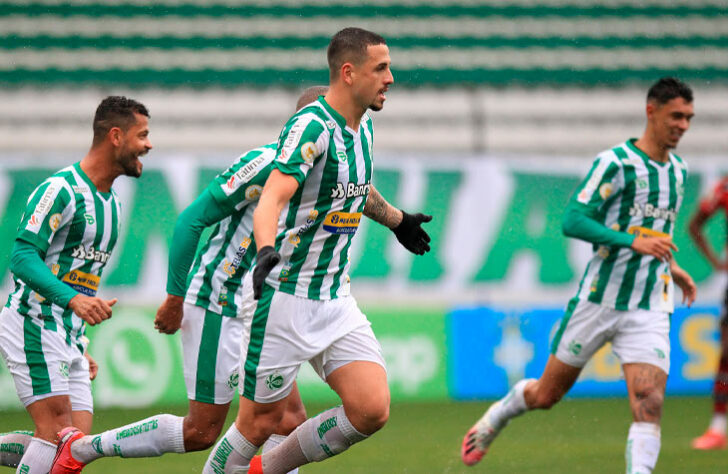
[406, 227]
[379, 210]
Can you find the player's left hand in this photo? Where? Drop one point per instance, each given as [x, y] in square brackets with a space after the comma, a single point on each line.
[686, 284]
[411, 235]
[169, 315]
[93, 367]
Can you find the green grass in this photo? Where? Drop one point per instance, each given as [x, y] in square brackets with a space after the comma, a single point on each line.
[576, 436]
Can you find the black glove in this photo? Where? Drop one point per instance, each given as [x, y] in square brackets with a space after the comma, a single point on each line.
[267, 259]
[410, 233]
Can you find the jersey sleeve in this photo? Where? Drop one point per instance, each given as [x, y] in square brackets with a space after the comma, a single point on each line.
[49, 209]
[301, 143]
[243, 182]
[717, 197]
[600, 186]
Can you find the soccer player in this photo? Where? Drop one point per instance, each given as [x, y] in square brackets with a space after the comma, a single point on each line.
[307, 216]
[209, 299]
[626, 207]
[715, 436]
[65, 238]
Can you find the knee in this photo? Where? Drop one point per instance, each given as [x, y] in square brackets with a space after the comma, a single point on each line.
[292, 418]
[200, 436]
[648, 404]
[371, 418]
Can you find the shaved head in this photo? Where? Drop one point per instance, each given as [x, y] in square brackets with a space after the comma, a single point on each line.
[311, 94]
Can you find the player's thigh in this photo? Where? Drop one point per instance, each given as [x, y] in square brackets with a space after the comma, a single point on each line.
[584, 329]
[38, 359]
[643, 337]
[211, 355]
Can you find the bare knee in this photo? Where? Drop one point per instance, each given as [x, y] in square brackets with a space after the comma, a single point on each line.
[369, 418]
[292, 418]
[200, 436]
[540, 397]
[647, 404]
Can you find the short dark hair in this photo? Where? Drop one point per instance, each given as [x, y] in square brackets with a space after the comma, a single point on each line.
[350, 45]
[116, 111]
[668, 88]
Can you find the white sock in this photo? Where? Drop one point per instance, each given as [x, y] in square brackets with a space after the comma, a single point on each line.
[718, 423]
[643, 447]
[38, 458]
[231, 455]
[323, 436]
[12, 447]
[153, 436]
[273, 441]
[512, 405]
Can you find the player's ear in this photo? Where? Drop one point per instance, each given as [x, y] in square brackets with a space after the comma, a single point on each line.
[650, 109]
[115, 136]
[347, 73]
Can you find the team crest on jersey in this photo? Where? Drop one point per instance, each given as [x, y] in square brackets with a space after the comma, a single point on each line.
[309, 152]
[341, 155]
[274, 381]
[605, 190]
[284, 274]
[54, 222]
[642, 183]
[253, 192]
[330, 124]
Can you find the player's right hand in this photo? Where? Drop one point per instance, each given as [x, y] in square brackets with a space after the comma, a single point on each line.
[267, 259]
[659, 247]
[169, 315]
[91, 309]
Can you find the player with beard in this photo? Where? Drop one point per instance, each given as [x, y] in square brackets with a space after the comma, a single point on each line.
[306, 218]
[65, 239]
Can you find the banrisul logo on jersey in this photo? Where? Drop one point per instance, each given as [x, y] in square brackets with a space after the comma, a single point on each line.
[349, 190]
[342, 222]
[90, 253]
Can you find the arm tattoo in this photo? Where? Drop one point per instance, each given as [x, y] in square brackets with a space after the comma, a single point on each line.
[378, 209]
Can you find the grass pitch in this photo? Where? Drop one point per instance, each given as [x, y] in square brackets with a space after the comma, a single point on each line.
[576, 436]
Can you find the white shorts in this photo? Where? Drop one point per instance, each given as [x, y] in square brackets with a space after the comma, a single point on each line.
[41, 363]
[211, 354]
[637, 336]
[283, 331]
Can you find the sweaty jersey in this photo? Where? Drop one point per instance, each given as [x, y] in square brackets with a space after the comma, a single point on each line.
[219, 267]
[717, 199]
[333, 166]
[76, 227]
[630, 192]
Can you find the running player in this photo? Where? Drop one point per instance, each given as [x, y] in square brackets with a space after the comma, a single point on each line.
[309, 210]
[715, 436]
[65, 238]
[626, 207]
[209, 298]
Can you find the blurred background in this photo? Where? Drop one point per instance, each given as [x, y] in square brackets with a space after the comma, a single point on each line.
[497, 111]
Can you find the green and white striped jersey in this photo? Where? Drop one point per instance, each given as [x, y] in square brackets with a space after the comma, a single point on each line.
[333, 166]
[219, 267]
[630, 192]
[76, 227]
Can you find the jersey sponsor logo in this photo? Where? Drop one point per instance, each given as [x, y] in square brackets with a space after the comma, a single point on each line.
[309, 152]
[231, 182]
[90, 254]
[645, 232]
[54, 221]
[648, 210]
[342, 222]
[253, 192]
[349, 190]
[248, 171]
[45, 203]
[34, 220]
[231, 267]
[80, 189]
[295, 238]
[84, 283]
